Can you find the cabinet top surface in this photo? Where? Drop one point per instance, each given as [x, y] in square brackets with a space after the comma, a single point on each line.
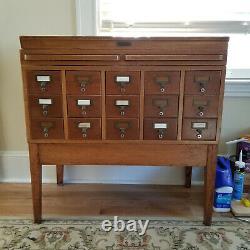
[79, 42]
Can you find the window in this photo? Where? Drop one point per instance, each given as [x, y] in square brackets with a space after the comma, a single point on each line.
[177, 18]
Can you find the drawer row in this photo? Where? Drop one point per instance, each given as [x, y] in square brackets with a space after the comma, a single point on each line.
[124, 106]
[197, 82]
[123, 129]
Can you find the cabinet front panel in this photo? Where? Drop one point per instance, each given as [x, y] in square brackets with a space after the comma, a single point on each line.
[199, 129]
[122, 82]
[161, 106]
[50, 128]
[87, 106]
[202, 82]
[85, 129]
[44, 82]
[160, 129]
[83, 82]
[201, 106]
[45, 106]
[122, 129]
[122, 106]
[162, 82]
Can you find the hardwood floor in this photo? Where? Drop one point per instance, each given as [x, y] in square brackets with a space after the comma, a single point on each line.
[98, 199]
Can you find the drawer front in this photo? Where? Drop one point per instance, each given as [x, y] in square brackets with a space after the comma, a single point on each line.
[50, 128]
[160, 129]
[87, 106]
[83, 82]
[202, 82]
[162, 82]
[199, 129]
[201, 106]
[122, 106]
[122, 82]
[44, 82]
[49, 106]
[122, 129]
[85, 129]
[161, 106]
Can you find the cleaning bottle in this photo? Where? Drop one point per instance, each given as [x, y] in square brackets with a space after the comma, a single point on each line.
[223, 185]
[239, 176]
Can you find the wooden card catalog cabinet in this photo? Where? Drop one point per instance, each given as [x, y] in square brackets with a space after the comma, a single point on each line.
[103, 100]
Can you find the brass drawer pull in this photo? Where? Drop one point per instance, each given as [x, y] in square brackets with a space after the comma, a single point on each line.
[45, 105]
[122, 105]
[200, 104]
[43, 81]
[199, 127]
[162, 81]
[84, 104]
[46, 126]
[161, 129]
[202, 81]
[123, 81]
[161, 104]
[84, 126]
[83, 81]
[123, 126]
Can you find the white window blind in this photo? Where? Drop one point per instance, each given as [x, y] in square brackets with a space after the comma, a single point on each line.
[182, 18]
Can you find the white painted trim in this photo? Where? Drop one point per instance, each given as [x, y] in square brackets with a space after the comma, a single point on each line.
[86, 17]
[237, 88]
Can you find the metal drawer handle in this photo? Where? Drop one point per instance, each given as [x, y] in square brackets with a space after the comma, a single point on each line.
[201, 104]
[202, 81]
[123, 126]
[161, 104]
[199, 127]
[84, 126]
[43, 81]
[123, 81]
[122, 105]
[161, 129]
[162, 81]
[46, 126]
[84, 104]
[83, 81]
[45, 105]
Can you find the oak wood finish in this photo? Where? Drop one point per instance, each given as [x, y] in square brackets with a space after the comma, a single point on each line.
[183, 70]
[59, 174]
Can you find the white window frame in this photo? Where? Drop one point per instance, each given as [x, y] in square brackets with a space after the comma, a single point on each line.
[87, 13]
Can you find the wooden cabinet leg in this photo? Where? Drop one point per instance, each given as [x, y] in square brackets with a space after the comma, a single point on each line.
[209, 183]
[188, 176]
[36, 182]
[59, 174]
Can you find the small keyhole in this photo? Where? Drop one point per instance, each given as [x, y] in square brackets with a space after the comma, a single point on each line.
[83, 89]
[202, 90]
[84, 135]
[162, 90]
[199, 136]
[201, 113]
[46, 134]
[122, 135]
[160, 136]
[161, 113]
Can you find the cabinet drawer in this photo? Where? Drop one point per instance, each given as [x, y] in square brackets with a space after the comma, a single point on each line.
[45, 106]
[87, 106]
[85, 129]
[160, 129]
[162, 82]
[201, 106]
[161, 106]
[122, 129]
[122, 106]
[199, 129]
[83, 82]
[202, 82]
[44, 82]
[50, 128]
[123, 82]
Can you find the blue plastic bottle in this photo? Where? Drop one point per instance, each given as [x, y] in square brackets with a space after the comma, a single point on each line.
[223, 185]
[239, 176]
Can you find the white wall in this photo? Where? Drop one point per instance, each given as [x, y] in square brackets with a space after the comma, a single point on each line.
[57, 17]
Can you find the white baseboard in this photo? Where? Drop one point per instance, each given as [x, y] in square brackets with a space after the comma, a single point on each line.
[14, 168]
